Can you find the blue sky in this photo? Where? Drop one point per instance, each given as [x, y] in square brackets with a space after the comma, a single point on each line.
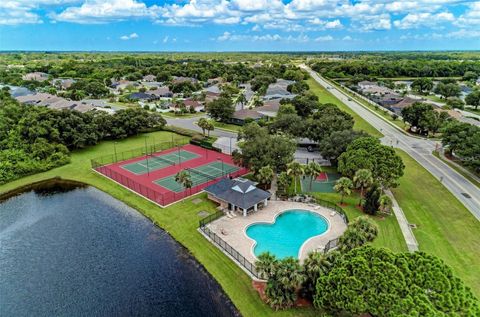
[239, 25]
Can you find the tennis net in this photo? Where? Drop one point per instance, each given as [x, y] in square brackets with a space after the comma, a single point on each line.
[161, 159]
[207, 176]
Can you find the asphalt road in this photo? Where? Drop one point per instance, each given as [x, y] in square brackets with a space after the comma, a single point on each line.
[419, 149]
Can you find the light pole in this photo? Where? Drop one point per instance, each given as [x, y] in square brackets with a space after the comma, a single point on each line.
[223, 170]
[146, 153]
[115, 151]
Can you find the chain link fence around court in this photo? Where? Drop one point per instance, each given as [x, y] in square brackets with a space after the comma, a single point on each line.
[116, 157]
[160, 197]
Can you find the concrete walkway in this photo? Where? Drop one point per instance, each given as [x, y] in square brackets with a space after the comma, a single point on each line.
[407, 232]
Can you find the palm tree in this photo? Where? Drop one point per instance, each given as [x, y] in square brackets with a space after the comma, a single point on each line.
[203, 123]
[313, 169]
[315, 265]
[266, 264]
[363, 179]
[241, 99]
[385, 204]
[284, 181]
[184, 179]
[284, 282]
[344, 187]
[366, 226]
[265, 175]
[350, 239]
[209, 126]
[295, 170]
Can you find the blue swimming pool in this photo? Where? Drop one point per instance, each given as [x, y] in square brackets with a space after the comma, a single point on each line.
[286, 236]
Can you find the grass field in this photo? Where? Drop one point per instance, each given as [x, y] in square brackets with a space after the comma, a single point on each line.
[445, 227]
[326, 97]
[227, 126]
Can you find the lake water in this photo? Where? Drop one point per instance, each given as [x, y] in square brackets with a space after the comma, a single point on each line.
[79, 252]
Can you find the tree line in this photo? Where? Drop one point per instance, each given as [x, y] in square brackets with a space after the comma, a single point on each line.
[35, 139]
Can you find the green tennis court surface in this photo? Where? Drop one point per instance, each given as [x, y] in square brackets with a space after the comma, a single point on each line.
[320, 186]
[199, 175]
[156, 162]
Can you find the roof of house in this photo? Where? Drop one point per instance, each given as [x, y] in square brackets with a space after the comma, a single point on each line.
[405, 102]
[38, 76]
[367, 83]
[149, 78]
[161, 91]
[279, 88]
[247, 113]
[141, 96]
[192, 103]
[239, 192]
[54, 102]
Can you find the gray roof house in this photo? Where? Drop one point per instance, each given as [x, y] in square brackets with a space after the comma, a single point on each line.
[238, 194]
[279, 90]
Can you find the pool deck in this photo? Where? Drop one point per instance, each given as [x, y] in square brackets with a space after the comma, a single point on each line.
[234, 229]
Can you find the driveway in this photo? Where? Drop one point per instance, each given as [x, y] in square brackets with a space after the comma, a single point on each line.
[419, 149]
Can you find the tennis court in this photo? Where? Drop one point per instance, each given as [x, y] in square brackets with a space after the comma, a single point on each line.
[322, 184]
[199, 175]
[156, 162]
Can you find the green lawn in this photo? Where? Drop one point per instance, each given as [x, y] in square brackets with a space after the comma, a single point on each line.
[227, 126]
[326, 97]
[445, 227]
[184, 115]
[180, 220]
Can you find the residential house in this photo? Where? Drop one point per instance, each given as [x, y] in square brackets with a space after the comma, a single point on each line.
[211, 96]
[365, 84]
[162, 92]
[37, 76]
[54, 102]
[149, 78]
[278, 90]
[63, 83]
[387, 99]
[404, 103]
[142, 96]
[238, 194]
[240, 116]
[190, 103]
[181, 79]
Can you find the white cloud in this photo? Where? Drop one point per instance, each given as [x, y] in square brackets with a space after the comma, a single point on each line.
[165, 39]
[103, 11]
[324, 38]
[471, 17]
[129, 37]
[373, 23]
[415, 20]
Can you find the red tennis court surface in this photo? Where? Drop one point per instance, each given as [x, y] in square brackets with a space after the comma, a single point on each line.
[144, 184]
[323, 177]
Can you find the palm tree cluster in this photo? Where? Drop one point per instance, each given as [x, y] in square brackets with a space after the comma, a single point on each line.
[284, 278]
[364, 181]
[206, 125]
[296, 170]
[184, 179]
[360, 231]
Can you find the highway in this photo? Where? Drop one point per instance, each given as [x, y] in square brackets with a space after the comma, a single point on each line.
[419, 149]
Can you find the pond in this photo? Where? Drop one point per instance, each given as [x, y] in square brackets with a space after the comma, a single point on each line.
[78, 252]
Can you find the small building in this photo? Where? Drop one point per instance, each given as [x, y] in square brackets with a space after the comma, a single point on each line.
[240, 116]
[404, 103]
[162, 92]
[279, 90]
[181, 79]
[63, 83]
[238, 194]
[149, 78]
[196, 105]
[142, 96]
[211, 96]
[365, 84]
[37, 76]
